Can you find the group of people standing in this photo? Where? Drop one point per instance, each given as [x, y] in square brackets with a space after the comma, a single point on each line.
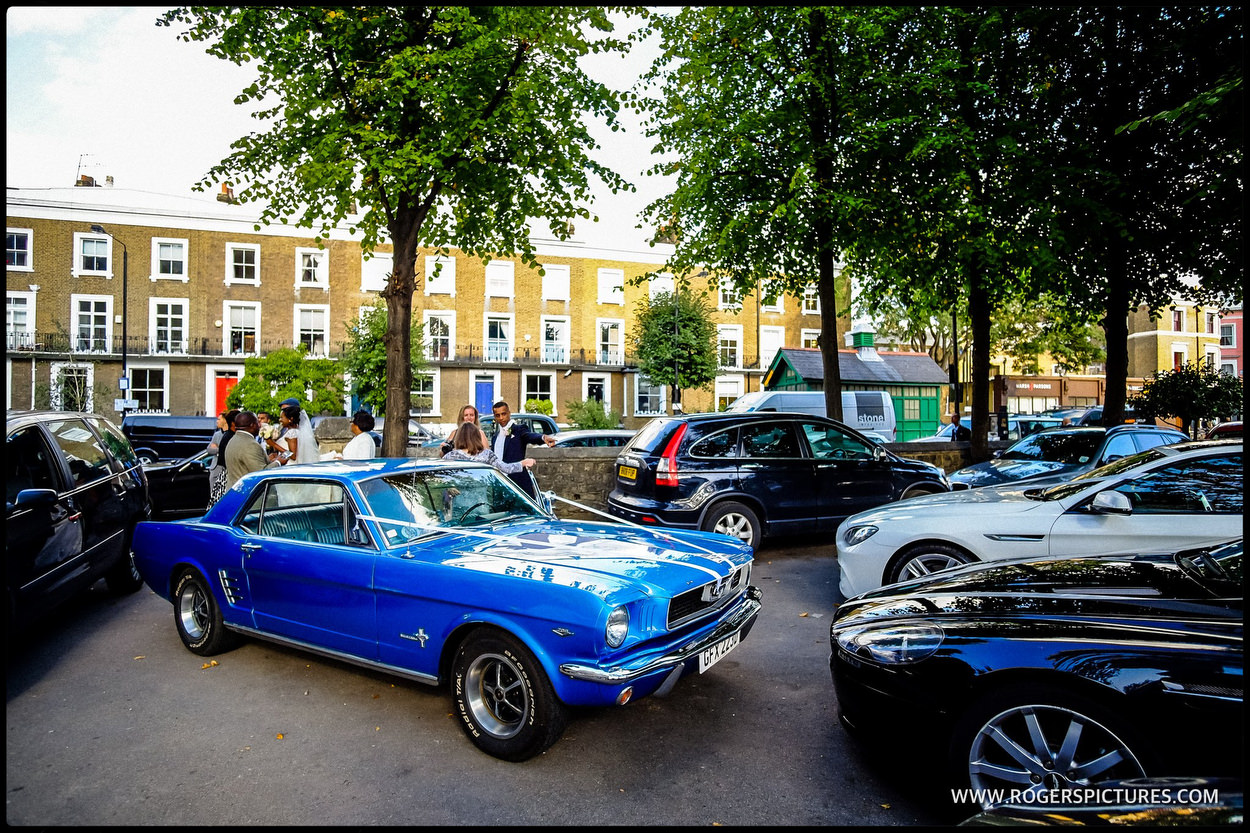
[259, 448]
[293, 442]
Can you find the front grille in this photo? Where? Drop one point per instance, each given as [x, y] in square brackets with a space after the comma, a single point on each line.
[704, 599]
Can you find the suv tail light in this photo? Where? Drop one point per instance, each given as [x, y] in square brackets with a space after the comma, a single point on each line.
[666, 468]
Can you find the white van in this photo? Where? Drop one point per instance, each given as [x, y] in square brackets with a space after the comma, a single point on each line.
[864, 410]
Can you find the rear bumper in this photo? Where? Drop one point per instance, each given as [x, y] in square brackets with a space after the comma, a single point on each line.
[650, 512]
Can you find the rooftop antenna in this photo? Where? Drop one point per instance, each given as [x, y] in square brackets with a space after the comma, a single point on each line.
[82, 156]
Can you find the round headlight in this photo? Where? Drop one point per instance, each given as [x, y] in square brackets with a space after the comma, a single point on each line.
[891, 644]
[859, 534]
[618, 627]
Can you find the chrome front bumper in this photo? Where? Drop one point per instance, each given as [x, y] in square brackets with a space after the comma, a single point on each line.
[742, 618]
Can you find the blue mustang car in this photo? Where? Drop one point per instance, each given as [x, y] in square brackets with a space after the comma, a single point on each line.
[447, 573]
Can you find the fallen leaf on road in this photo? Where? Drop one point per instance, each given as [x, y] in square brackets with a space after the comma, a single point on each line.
[281, 736]
[802, 614]
[141, 656]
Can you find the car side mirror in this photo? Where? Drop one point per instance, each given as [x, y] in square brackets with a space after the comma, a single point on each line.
[31, 498]
[998, 452]
[1111, 458]
[1111, 502]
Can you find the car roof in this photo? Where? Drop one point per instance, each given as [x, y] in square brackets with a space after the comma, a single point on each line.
[25, 417]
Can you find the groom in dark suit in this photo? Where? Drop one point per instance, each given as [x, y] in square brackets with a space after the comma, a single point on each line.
[509, 444]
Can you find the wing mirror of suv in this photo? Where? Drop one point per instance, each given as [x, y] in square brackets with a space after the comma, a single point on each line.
[1111, 503]
[31, 498]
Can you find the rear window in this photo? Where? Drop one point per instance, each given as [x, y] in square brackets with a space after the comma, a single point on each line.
[653, 434]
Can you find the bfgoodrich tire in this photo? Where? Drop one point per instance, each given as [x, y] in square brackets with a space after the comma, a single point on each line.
[503, 698]
[736, 520]
[198, 617]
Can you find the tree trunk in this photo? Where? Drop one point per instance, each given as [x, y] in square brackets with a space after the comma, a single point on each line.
[1115, 325]
[979, 310]
[398, 338]
[830, 338]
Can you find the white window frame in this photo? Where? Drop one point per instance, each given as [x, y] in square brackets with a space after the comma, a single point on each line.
[639, 380]
[556, 282]
[226, 306]
[780, 331]
[724, 296]
[1212, 357]
[435, 374]
[490, 350]
[615, 354]
[809, 334]
[1232, 335]
[606, 378]
[1176, 311]
[550, 377]
[152, 325]
[611, 283]
[1213, 323]
[299, 308]
[663, 282]
[321, 273]
[810, 305]
[29, 250]
[728, 387]
[560, 351]
[375, 269]
[445, 283]
[164, 368]
[77, 270]
[231, 248]
[449, 316]
[23, 338]
[725, 332]
[74, 322]
[185, 260]
[54, 389]
[777, 306]
[1181, 348]
[501, 279]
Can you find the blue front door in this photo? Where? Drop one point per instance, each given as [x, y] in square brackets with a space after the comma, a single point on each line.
[483, 396]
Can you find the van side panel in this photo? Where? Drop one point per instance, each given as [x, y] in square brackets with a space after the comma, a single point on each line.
[864, 410]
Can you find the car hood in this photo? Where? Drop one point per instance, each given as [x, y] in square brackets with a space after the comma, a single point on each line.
[599, 557]
[1000, 471]
[1140, 585]
[1002, 499]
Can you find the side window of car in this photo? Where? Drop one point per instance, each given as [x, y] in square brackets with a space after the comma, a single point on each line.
[829, 443]
[118, 446]
[719, 445]
[299, 510]
[28, 463]
[1197, 486]
[82, 450]
[1120, 445]
[1150, 439]
[769, 439]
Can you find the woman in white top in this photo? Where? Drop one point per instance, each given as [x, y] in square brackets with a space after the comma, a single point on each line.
[360, 446]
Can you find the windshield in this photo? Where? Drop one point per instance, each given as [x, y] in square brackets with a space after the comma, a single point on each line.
[416, 504]
[1074, 448]
[745, 402]
[1079, 482]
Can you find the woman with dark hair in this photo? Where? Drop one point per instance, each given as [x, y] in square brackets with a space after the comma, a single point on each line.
[217, 474]
[297, 443]
[471, 445]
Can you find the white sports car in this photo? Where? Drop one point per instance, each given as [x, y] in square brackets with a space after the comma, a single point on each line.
[1168, 498]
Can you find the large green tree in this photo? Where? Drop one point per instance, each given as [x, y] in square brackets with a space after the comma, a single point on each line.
[1191, 393]
[446, 125]
[751, 108]
[674, 341]
[287, 373]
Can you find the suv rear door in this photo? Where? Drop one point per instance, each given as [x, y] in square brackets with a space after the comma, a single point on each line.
[773, 469]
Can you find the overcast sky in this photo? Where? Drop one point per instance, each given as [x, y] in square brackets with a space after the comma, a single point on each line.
[105, 92]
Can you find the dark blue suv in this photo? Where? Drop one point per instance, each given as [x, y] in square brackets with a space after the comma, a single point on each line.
[759, 473]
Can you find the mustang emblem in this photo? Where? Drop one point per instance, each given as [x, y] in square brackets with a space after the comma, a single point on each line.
[419, 636]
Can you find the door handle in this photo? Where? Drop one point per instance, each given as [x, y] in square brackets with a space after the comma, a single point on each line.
[250, 548]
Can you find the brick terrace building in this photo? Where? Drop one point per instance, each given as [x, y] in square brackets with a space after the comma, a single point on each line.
[205, 289]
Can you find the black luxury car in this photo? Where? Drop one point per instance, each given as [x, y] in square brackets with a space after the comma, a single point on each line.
[1027, 676]
[74, 490]
[758, 473]
[179, 488]
[1066, 451]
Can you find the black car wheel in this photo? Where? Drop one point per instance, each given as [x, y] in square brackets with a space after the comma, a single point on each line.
[506, 704]
[1032, 739]
[923, 559]
[736, 520]
[123, 577]
[198, 618]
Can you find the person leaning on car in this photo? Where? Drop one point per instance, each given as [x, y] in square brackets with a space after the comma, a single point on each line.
[242, 458]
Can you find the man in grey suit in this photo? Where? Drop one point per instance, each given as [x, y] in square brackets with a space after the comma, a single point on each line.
[242, 458]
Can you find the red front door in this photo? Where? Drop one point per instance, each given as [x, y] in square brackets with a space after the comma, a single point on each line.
[226, 380]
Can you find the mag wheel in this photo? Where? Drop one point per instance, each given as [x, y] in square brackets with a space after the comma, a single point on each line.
[736, 520]
[506, 704]
[924, 559]
[198, 617]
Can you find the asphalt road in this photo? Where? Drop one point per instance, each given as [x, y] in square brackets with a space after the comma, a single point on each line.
[110, 721]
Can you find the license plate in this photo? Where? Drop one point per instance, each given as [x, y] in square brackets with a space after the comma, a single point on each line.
[716, 653]
[627, 472]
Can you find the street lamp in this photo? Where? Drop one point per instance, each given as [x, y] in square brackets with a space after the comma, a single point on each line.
[98, 229]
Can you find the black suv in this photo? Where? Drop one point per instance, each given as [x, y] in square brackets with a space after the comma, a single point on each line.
[756, 473]
[166, 437]
[74, 490]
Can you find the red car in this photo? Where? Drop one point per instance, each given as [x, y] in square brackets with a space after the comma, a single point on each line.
[1224, 431]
